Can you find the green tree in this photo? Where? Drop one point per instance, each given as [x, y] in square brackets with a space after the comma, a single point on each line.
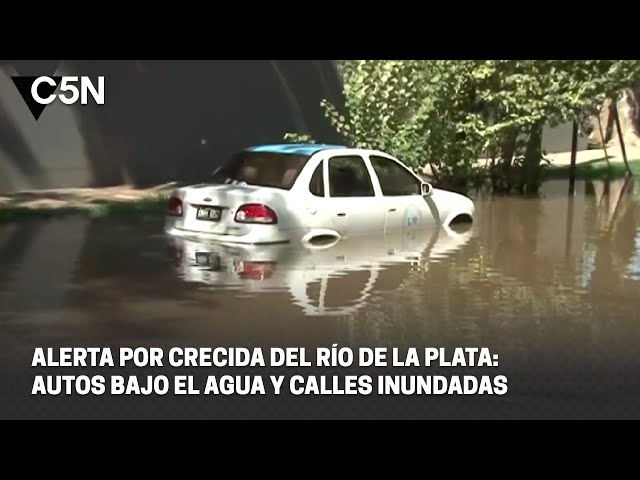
[450, 113]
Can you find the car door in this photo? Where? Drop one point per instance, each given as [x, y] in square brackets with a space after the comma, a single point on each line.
[405, 206]
[315, 200]
[353, 202]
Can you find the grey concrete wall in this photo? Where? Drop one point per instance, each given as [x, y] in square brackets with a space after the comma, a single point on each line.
[161, 121]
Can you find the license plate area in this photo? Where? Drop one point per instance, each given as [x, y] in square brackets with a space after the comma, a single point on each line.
[206, 259]
[209, 214]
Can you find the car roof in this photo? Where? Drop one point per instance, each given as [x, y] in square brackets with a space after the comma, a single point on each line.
[295, 148]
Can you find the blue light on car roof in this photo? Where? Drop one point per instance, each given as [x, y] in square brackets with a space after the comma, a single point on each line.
[295, 148]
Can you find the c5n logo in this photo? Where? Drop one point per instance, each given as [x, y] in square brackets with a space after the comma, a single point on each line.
[38, 92]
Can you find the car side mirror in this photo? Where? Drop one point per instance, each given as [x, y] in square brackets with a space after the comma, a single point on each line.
[427, 189]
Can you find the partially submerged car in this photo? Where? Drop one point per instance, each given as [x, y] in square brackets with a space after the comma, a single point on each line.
[263, 194]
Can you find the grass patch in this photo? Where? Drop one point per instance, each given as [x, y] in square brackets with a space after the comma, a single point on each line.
[594, 170]
[154, 206]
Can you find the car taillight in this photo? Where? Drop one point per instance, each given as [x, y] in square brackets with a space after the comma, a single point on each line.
[175, 207]
[255, 270]
[256, 213]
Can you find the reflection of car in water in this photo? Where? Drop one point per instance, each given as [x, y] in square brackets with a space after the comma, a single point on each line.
[265, 194]
[333, 279]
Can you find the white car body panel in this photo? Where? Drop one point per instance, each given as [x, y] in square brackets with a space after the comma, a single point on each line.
[298, 209]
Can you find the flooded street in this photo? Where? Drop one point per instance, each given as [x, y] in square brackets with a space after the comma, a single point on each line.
[552, 285]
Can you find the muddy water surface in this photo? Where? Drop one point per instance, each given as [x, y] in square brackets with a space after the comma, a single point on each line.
[552, 285]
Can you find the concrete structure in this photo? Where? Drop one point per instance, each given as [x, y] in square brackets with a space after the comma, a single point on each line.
[558, 139]
[161, 121]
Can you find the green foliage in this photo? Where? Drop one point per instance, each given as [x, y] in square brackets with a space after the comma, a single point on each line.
[450, 113]
[298, 138]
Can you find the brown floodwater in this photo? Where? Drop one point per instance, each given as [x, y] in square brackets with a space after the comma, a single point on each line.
[551, 285]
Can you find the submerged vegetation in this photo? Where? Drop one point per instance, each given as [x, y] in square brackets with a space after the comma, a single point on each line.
[447, 114]
[154, 206]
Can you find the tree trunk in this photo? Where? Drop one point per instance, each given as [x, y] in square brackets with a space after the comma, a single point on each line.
[601, 126]
[628, 107]
[530, 183]
[507, 150]
[621, 140]
[627, 117]
[574, 154]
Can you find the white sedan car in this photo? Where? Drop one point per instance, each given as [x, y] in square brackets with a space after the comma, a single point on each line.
[266, 193]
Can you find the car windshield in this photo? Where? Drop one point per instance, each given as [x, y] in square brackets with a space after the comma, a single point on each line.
[265, 169]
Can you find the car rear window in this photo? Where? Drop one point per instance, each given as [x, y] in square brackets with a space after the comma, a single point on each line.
[265, 169]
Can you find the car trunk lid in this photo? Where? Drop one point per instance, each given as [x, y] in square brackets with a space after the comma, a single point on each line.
[211, 208]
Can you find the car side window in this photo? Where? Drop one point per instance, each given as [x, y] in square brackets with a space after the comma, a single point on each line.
[316, 184]
[394, 179]
[349, 177]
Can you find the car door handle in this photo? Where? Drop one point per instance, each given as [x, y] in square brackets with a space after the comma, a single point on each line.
[342, 214]
[392, 209]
